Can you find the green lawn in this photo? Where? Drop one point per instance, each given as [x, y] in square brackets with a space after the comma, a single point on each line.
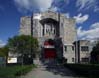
[15, 71]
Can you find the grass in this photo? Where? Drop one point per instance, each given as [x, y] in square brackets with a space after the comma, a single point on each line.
[15, 71]
[89, 70]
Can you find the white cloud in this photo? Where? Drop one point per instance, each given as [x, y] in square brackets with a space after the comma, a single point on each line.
[2, 43]
[44, 4]
[86, 4]
[32, 5]
[67, 15]
[60, 5]
[96, 25]
[96, 9]
[92, 33]
[80, 18]
[54, 9]
[37, 16]
[40, 5]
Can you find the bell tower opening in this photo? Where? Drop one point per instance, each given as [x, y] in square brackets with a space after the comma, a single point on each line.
[50, 28]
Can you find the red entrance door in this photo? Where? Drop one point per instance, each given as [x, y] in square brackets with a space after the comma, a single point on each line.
[49, 49]
[49, 53]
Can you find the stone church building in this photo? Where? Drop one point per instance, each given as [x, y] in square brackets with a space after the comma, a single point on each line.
[51, 25]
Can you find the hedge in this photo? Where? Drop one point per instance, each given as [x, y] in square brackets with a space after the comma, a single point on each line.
[89, 70]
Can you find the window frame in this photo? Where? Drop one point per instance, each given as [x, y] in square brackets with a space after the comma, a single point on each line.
[84, 48]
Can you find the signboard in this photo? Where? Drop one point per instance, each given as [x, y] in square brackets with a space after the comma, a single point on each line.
[12, 60]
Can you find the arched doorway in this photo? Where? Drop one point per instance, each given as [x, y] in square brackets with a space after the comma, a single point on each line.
[50, 43]
[49, 53]
[49, 49]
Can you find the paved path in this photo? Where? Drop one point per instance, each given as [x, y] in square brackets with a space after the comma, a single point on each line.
[51, 71]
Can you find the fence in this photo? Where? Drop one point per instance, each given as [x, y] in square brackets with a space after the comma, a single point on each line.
[2, 61]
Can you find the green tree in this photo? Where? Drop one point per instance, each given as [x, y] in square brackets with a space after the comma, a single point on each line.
[95, 54]
[24, 45]
[4, 54]
[4, 51]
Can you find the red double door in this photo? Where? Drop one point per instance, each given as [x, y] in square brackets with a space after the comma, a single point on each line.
[49, 53]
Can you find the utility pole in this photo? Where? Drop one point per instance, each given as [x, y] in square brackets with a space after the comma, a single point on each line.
[76, 49]
[31, 53]
[59, 25]
[32, 25]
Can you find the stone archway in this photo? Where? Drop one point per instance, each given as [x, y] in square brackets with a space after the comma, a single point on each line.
[49, 53]
[50, 28]
[50, 14]
[49, 49]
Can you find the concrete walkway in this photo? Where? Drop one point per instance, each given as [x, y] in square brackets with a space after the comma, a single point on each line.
[51, 71]
[42, 72]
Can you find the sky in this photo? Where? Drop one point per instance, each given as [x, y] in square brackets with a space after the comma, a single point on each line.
[85, 12]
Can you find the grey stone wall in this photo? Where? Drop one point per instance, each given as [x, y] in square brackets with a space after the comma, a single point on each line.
[25, 25]
[67, 29]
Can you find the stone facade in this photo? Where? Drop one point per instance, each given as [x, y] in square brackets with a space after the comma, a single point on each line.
[82, 51]
[51, 25]
[25, 27]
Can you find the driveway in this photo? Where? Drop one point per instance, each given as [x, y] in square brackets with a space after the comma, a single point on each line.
[51, 71]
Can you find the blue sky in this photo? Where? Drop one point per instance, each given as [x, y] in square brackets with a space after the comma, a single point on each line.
[85, 12]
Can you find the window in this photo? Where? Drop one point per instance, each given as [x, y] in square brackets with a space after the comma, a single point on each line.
[47, 30]
[84, 48]
[54, 31]
[73, 60]
[51, 27]
[62, 24]
[85, 59]
[43, 32]
[65, 47]
[73, 48]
